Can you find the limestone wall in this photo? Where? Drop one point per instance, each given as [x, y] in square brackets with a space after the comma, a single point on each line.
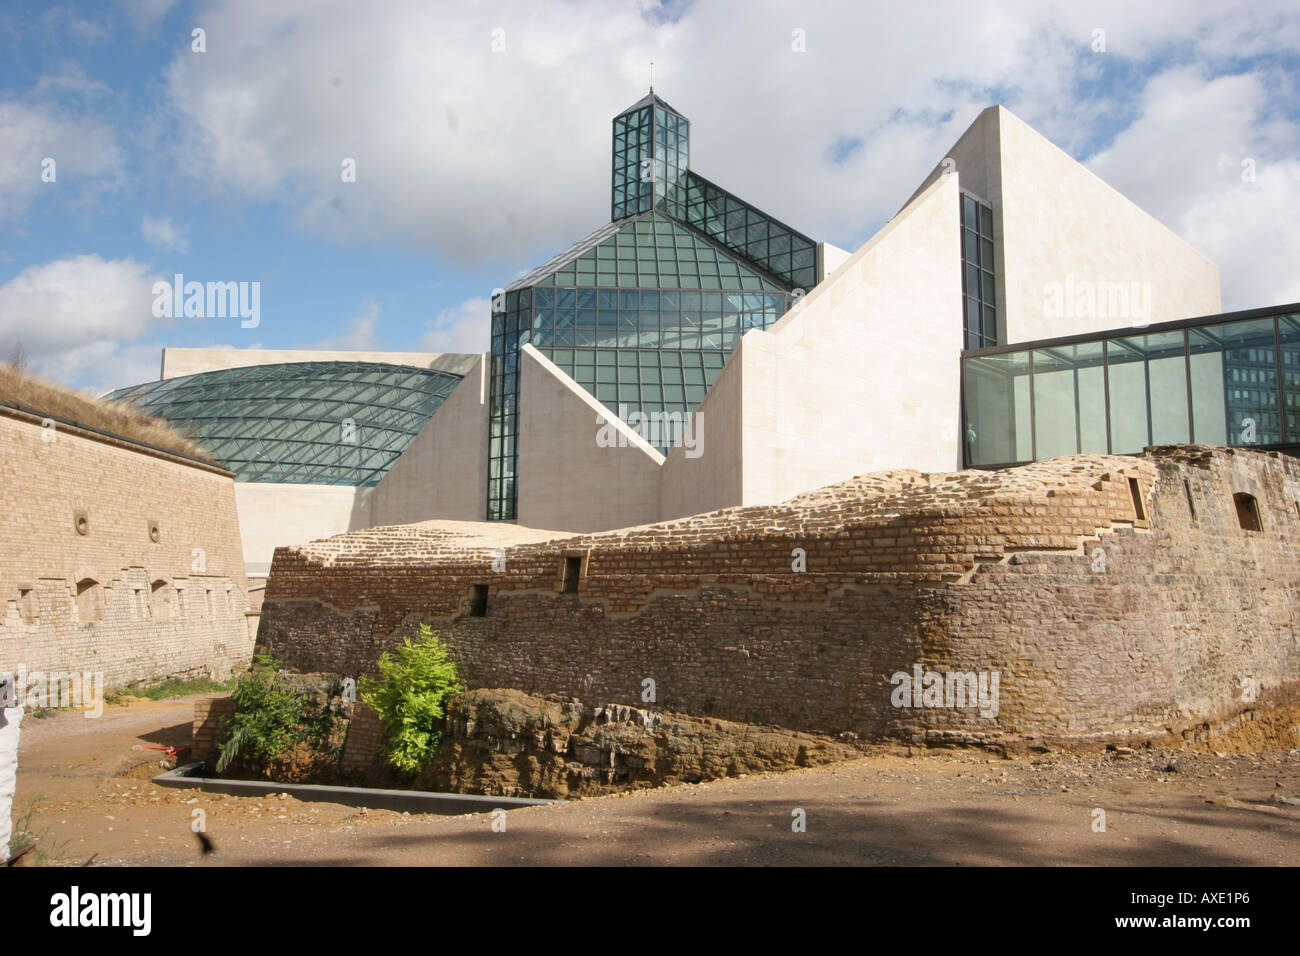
[803, 614]
[115, 559]
[443, 472]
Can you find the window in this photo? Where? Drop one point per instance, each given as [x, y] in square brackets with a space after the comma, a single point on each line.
[1135, 491]
[90, 606]
[977, 282]
[572, 572]
[478, 603]
[160, 600]
[1247, 512]
[1191, 503]
[28, 606]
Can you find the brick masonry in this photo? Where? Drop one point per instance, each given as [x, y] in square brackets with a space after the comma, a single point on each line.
[153, 588]
[211, 726]
[1185, 617]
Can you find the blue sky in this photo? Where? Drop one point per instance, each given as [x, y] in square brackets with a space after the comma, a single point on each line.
[481, 141]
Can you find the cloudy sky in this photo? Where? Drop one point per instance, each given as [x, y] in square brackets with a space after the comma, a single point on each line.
[480, 139]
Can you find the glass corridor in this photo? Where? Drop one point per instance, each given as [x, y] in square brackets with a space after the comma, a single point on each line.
[1222, 380]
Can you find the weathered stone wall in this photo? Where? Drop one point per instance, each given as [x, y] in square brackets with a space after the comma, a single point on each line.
[159, 563]
[1183, 617]
[506, 743]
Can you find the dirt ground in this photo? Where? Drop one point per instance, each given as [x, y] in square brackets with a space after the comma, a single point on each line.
[939, 807]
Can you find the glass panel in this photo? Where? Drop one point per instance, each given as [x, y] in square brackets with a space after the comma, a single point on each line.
[1126, 368]
[1250, 375]
[997, 409]
[1289, 335]
[1054, 396]
[302, 422]
[1167, 371]
[1209, 408]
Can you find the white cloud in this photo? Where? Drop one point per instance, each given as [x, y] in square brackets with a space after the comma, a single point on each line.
[84, 151]
[64, 21]
[503, 157]
[1249, 230]
[145, 14]
[1182, 161]
[359, 331]
[101, 367]
[461, 328]
[161, 232]
[79, 320]
[66, 305]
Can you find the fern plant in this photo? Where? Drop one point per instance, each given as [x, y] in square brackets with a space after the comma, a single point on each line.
[268, 720]
[410, 695]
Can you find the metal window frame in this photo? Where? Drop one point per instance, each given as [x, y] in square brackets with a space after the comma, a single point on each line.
[1106, 338]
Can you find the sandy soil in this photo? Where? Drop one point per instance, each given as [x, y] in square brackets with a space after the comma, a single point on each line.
[938, 807]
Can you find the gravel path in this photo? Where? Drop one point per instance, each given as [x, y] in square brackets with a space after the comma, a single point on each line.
[945, 807]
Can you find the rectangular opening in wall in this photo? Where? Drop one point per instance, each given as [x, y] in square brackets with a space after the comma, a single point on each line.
[160, 603]
[1135, 490]
[1191, 504]
[1247, 512]
[478, 603]
[572, 571]
[27, 606]
[90, 605]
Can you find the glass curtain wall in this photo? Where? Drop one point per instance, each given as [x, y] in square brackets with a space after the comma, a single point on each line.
[1229, 383]
[643, 319]
[643, 312]
[768, 243]
[651, 153]
[978, 296]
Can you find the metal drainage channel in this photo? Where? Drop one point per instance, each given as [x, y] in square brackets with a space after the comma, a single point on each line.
[413, 801]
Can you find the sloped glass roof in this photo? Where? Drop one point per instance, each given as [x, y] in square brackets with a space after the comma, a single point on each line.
[650, 99]
[324, 423]
[744, 229]
[651, 251]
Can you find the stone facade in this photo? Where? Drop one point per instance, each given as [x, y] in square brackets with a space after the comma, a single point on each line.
[1087, 597]
[117, 558]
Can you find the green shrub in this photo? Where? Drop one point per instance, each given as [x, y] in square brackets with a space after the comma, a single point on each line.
[416, 679]
[269, 720]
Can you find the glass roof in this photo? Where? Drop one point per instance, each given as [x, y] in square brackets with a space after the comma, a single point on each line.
[745, 230]
[324, 423]
[650, 99]
[654, 251]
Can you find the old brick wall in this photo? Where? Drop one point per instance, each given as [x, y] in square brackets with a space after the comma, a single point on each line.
[149, 609]
[211, 726]
[1182, 619]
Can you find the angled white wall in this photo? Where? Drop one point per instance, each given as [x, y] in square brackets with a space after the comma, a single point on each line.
[273, 514]
[443, 472]
[709, 477]
[1066, 231]
[1073, 254]
[863, 373]
[580, 467]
